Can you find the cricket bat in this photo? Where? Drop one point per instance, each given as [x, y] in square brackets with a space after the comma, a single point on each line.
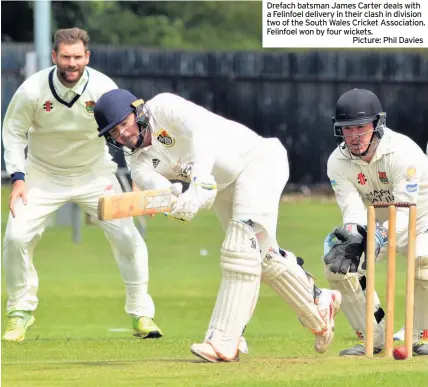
[138, 203]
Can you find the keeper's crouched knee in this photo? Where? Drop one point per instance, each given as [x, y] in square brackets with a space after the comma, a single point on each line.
[421, 269]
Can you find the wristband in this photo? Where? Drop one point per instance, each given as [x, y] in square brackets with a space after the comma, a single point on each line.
[17, 176]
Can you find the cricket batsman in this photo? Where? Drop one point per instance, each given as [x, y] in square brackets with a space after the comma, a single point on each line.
[52, 114]
[374, 164]
[241, 175]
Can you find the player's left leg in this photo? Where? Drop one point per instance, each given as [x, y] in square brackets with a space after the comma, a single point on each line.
[399, 335]
[420, 326]
[237, 295]
[21, 236]
[315, 307]
[420, 332]
[223, 208]
[130, 252]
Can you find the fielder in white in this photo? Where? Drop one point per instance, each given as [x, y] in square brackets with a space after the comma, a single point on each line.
[242, 175]
[52, 114]
[374, 164]
[399, 335]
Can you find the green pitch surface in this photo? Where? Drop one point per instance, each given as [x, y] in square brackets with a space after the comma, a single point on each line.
[82, 335]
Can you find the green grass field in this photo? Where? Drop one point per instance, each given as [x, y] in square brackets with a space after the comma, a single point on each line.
[82, 335]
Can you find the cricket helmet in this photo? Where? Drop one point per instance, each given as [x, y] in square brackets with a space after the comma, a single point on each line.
[359, 107]
[113, 107]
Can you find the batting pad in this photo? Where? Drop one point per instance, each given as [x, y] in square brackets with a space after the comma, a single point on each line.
[421, 299]
[354, 305]
[239, 289]
[292, 284]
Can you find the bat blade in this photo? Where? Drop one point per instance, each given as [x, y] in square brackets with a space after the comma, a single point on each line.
[138, 203]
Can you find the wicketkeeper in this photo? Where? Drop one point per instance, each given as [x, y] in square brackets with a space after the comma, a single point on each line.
[374, 164]
[241, 175]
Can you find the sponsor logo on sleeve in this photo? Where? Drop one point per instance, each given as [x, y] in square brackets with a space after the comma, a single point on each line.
[411, 188]
[411, 173]
[333, 183]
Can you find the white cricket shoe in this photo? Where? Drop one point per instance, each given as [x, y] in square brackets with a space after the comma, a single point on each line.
[399, 336]
[206, 352]
[328, 305]
[243, 346]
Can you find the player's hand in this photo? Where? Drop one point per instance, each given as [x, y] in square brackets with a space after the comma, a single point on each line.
[176, 190]
[345, 256]
[200, 195]
[19, 190]
[206, 188]
[185, 208]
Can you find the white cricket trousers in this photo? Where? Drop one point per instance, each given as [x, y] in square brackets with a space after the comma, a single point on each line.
[257, 191]
[22, 233]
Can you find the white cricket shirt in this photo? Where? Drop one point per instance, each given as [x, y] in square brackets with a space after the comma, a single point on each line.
[58, 125]
[189, 140]
[398, 172]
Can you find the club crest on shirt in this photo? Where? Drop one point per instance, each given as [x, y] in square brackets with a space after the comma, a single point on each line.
[383, 178]
[48, 106]
[90, 105]
[165, 138]
[361, 178]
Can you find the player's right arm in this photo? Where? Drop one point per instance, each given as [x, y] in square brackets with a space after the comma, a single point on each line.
[344, 247]
[347, 196]
[18, 120]
[191, 123]
[146, 178]
[143, 174]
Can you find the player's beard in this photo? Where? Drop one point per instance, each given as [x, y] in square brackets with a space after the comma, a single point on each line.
[69, 76]
[140, 140]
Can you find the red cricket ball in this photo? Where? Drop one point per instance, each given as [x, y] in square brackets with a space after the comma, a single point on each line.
[400, 352]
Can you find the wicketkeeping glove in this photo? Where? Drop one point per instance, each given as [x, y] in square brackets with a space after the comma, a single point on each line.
[345, 256]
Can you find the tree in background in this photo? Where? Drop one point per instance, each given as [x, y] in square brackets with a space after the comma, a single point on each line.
[199, 25]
